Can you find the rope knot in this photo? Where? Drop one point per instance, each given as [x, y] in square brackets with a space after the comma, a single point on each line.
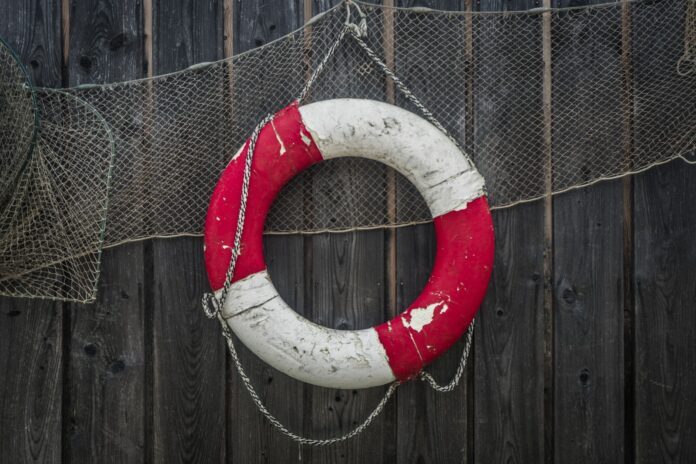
[359, 29]
[211, 305]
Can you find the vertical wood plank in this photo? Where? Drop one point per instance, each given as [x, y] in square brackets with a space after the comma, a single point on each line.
[251, 438]
[588, 242]
[106, 366]
[628, 268]
[664, 257]
[31, 331]
[665, 292]
[31, 384]
[509, 395]
[189, 371]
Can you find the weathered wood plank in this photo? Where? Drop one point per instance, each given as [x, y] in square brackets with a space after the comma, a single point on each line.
[588, 242]
[32, 28]
[31, 331]
[665, 292]
[664, 256]
[188, 349]
[251, 438]
[588, 357]
[189, 360]
[509, 397]
[31, 385]
[106, 373]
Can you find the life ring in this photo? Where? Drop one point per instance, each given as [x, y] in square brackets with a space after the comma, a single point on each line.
[298, 137]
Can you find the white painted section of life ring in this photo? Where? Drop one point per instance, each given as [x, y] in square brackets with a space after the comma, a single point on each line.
[400, 139]
[347, 127]
[298, 347]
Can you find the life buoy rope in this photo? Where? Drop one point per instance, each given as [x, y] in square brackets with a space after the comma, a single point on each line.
[298, 137]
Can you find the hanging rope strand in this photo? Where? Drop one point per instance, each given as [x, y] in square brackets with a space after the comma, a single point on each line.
[277, 424]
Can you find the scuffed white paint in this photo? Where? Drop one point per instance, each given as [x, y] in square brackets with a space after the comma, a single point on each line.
[420, 317]
[400, 139]
[236, 155]
[280, 141]
[305, 138]
[296, 346]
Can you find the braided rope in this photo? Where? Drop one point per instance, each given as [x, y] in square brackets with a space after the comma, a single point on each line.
[452, 384]
[212, 305]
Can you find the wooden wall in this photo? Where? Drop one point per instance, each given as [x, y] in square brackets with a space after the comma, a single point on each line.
[585, 349]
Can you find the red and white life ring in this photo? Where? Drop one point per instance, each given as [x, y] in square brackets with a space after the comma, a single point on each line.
[298, 137]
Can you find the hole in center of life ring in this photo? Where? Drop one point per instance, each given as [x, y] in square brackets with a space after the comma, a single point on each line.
[342, 273]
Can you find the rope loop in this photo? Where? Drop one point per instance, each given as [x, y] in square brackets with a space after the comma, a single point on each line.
[359, 29]
[211, 306]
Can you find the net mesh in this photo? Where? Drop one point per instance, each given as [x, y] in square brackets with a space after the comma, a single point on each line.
[18, 121]
[611, 100]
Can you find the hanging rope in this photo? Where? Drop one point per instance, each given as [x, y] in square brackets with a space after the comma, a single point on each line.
[212, 305]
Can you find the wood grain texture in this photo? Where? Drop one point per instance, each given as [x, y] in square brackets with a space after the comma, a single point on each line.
[588, 244]
[106, 374]
[588, 352]
[509, 396]
[665, 290]
[664, 259]
[189, 371]
[258, 22]
[32, 28]
[31, 384]
[31, 331]
[188, 360]
[509, 383]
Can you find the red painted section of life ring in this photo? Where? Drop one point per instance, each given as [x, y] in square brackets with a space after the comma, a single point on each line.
[270, 172]
[463, 263]
[456, 288]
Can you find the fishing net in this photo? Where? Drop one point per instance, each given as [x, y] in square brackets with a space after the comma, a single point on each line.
[543, 101]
